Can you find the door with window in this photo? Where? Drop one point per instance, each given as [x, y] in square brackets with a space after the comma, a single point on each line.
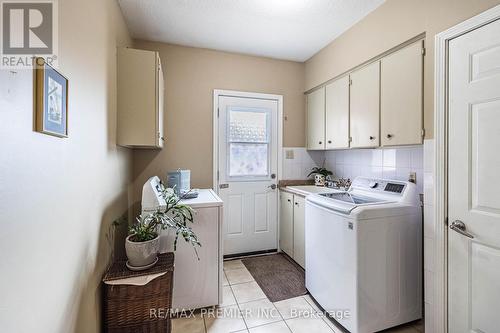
[247, 172]
[473, 181]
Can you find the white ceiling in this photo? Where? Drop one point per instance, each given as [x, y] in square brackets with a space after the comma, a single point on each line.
[283, 29]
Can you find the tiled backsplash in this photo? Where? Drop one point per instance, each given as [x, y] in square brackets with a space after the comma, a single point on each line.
[298, 162]
[389, 163]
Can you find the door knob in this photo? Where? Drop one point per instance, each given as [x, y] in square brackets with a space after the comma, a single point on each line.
[459, 227]
[272, 186]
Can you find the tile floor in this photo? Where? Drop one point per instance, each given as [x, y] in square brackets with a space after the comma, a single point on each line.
[245, 308]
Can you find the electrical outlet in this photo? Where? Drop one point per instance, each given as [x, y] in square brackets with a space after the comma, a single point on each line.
[412, 177]
[289, 154]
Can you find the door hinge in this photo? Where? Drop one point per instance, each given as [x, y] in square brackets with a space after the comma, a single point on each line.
[423, 132]
[217, 174]
[423, 51]
[350, 139]
[350, 81]
[217, 112]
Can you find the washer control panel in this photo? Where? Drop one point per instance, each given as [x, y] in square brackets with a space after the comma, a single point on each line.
[378, 185]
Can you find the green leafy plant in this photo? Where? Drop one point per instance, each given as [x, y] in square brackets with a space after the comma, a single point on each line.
[320, 171]
[175, 216]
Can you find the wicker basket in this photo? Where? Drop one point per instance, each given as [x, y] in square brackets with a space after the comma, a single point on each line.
[129, 308]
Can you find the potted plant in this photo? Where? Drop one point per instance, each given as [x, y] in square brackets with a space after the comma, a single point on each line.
[143, 243]
[320, 175]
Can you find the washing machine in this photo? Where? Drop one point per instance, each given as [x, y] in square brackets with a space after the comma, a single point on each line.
[364, 254]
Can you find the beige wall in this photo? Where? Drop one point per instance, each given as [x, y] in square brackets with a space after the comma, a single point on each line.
[59, 196]
[191, 75]
[389, 25]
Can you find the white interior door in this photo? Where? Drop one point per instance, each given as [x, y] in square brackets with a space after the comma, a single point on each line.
[474, 184]
[248, 165]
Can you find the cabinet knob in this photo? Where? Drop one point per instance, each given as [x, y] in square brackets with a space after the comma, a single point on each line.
[320, 142]
[296, 204]
[289, 200]
[372, 137]
[389, 136]
[329, 141]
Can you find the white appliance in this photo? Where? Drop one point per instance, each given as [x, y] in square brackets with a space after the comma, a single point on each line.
[197, 283]
[363, 254]
[152, 200]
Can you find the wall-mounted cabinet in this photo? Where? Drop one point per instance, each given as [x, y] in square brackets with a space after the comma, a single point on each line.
[365, 112]
[140, 99]
[378, 104]
[401, 96]
[337, 114]
[316, 119]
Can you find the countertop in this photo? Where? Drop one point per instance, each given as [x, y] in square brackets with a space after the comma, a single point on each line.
[304, 190]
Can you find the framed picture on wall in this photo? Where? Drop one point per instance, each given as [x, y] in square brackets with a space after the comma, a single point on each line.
[51, 100]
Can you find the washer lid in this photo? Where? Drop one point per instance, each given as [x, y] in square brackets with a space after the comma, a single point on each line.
[343, 202]
[352, 198]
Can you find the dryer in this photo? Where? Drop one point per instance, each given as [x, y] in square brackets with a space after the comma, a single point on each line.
[364, 254]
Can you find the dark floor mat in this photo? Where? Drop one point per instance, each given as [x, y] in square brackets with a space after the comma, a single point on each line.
[278, 276]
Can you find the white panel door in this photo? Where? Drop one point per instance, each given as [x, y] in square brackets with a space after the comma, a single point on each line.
[286, 223]
[474, 184]
[248, 164]
[401, 96]
[337, 114]
[316, 119]
[365, 110]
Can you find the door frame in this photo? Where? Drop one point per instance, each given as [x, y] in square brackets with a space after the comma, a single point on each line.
[215, 156]
[441, 157]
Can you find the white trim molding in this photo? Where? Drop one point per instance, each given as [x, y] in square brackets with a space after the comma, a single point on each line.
[441, 157]
[244, 94]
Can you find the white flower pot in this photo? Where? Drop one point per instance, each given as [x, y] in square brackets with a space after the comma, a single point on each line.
[319, 180]
[142, 253]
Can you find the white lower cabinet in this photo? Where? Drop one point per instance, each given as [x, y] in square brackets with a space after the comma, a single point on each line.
[292, 226]
[286, 223]
[299, 216]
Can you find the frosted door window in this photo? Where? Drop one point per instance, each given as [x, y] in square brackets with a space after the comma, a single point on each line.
[248, 142]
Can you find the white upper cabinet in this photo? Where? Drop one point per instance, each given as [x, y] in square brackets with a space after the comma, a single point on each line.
[401, 96]
[364, 109]
[337, 114]
[140, 99]
[316, 119]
